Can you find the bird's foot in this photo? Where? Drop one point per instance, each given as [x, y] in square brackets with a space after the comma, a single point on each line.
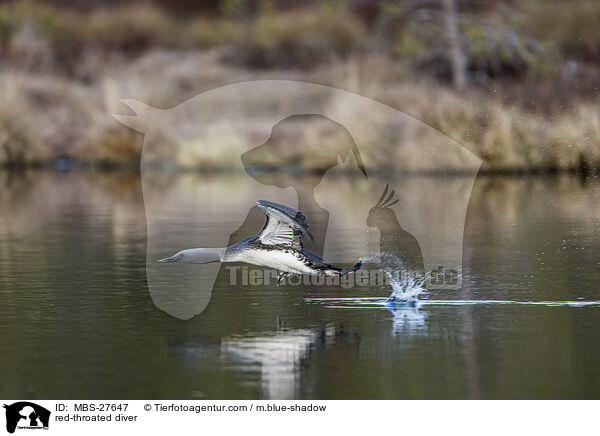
[282, 275]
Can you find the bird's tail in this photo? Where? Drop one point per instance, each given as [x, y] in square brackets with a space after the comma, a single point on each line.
[348, 270]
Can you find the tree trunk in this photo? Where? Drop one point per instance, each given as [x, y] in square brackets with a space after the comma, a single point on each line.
[457, 57]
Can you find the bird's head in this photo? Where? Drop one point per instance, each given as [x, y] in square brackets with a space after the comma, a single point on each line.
[181, 256]
[381, 214]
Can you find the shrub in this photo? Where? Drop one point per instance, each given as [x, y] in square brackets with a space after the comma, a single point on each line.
[300, 39]
[572, 25]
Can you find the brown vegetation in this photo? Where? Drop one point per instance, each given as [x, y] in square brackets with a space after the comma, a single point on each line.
[531, 103]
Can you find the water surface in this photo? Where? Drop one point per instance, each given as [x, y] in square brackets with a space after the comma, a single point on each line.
[77, 319]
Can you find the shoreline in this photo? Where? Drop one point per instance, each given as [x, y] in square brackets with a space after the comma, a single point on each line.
[386, 172]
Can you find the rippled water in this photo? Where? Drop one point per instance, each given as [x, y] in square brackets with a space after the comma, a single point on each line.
[77, 319]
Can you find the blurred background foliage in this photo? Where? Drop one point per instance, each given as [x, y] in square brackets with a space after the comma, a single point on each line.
[499, 38]
[509, 79]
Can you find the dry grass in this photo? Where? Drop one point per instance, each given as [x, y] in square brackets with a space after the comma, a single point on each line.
[44, 118]
[509, 138]
[506, 136]
[20, 144]
[44, 115]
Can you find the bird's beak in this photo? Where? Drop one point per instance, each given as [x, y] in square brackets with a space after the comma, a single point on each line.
[169, 259]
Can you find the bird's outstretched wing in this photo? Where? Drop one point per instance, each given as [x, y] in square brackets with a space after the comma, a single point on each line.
[284, 226]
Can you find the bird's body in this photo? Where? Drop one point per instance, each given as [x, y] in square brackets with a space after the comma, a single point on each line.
[278, 245]
[280, 257]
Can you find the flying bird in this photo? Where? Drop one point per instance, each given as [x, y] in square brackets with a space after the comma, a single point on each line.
[278, 245]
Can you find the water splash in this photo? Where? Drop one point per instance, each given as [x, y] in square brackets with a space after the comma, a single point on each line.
[407, 287]
[406, 284]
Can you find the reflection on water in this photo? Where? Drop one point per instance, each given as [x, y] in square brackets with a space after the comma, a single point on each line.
[276, 355]
[408, 319]
[75, 303]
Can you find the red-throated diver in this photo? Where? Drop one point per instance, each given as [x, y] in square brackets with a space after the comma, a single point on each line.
[278, 245]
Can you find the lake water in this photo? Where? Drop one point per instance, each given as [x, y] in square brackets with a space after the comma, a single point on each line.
[78, 319]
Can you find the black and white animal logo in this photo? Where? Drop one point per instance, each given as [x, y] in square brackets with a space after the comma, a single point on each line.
[26, 415]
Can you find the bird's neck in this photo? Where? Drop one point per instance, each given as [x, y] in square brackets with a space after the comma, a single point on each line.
[205, 255]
